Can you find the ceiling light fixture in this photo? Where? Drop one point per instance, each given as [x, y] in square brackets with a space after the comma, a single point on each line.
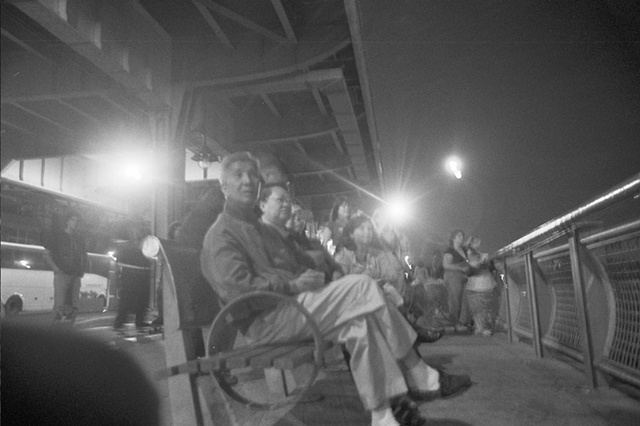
[205, 156]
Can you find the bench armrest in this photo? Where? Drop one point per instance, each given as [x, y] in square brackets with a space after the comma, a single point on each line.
[220, 326]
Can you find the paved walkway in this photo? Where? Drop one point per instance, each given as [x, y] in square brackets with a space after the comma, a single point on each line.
[510, 387]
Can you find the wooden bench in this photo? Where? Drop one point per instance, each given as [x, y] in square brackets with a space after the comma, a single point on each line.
[199, 376]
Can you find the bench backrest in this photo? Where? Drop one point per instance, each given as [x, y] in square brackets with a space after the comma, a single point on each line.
[197, 303]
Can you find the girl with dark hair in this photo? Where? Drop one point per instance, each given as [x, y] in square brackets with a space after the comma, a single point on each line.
[455, 265]
[357, 254]
[340, 215]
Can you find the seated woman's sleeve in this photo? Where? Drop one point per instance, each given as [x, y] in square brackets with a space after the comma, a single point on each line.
[391, 269]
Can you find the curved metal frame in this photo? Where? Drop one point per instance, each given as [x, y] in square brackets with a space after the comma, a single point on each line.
[220, 321]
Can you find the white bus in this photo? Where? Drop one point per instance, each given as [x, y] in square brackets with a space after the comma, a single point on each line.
[27, 280]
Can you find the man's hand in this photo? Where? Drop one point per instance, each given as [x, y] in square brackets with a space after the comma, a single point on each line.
[309, 280]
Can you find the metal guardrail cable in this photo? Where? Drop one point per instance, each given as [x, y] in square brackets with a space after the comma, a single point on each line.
[619, 192]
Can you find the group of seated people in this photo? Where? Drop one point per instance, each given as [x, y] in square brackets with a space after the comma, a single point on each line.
[357, 298]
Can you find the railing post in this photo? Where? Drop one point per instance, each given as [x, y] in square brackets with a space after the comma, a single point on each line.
[507, 302]
[533, 298]
[581, 304]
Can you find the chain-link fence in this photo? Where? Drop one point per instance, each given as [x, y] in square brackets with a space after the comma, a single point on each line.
[585, 292]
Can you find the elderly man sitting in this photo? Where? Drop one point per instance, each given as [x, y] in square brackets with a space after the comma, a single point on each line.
[241, 254]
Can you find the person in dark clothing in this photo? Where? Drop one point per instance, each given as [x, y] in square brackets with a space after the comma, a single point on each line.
[175, 228]
[456, 267]
[134, 279]
[194, 227]
[67, 256]
[196, 224]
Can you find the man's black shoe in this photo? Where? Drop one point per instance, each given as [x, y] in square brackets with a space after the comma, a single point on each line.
[406, 411]
[428, 335]
[450, 385]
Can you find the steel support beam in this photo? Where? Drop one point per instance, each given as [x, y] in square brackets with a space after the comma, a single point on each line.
[533, 299]
[508, 302]
[582, 307]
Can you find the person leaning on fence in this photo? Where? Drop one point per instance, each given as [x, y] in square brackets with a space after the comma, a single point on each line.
[351, 310]
[456, 267]
[480, 288]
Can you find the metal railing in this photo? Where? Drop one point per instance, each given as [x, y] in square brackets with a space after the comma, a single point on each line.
[580, 296]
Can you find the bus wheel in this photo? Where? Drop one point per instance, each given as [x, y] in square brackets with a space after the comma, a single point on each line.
[13, 305]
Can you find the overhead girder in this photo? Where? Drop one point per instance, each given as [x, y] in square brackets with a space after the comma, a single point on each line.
[82, 24]
[257, 69]
[306, 124]
[267, 130]
[248, 64]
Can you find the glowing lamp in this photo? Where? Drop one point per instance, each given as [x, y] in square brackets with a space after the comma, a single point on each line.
[151, 247]
[454, 166]
[133, 172]
[398, 211]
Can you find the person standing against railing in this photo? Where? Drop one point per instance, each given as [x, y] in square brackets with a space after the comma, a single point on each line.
[67, 256]
[456, 267]
[480, 288]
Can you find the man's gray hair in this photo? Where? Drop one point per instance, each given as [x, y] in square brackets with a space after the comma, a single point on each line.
[236, 157]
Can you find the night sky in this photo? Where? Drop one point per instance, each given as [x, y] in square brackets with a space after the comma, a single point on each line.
[541, 101]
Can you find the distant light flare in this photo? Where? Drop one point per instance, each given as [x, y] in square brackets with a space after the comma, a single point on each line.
[134, 172]
[345, 180]
[398, 210]
[454, 165]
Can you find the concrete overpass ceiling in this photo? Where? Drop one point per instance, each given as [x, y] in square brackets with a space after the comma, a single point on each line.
[55, 100]
[260, 75]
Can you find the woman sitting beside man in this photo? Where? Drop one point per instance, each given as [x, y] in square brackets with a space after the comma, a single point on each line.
[361, 254]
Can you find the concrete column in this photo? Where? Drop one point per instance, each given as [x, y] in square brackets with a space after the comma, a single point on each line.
[161, 197]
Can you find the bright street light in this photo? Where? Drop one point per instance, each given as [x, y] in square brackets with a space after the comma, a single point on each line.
[456, 168]
[398, 210]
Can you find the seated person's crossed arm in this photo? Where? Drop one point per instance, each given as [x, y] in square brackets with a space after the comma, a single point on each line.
[242, 254]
